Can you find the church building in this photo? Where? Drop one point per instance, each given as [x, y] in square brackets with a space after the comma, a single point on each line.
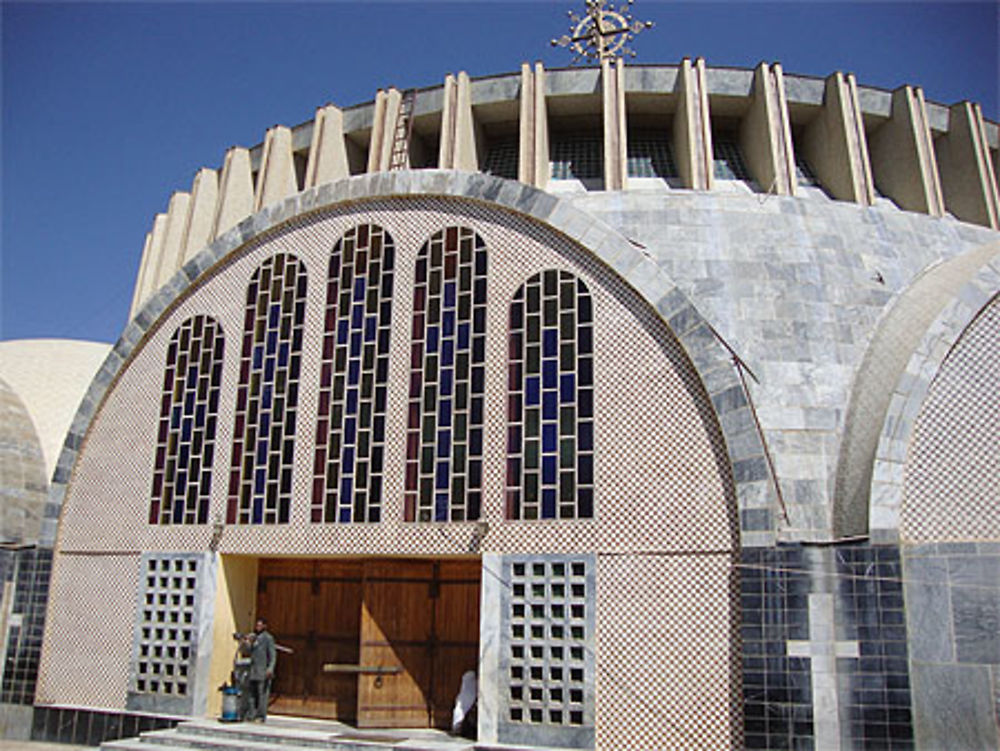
[665, 398]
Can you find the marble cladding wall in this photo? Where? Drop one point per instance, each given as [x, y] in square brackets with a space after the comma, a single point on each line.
[89, 728]
[28, 572]
[796, 288]
[824, 649]
[953, 617]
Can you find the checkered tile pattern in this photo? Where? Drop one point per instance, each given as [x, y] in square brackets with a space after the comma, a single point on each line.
[667, 665]
[661, 477]
[951, 489]
[89, 631]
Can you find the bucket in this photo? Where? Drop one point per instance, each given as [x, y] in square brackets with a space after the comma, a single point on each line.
[230, 704]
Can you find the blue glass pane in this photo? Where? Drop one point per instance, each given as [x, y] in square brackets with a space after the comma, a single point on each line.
[260, 476]
[548, 469]
[359, 288]
[347, 460]
[444, 442]
[448, 323]
[446, 382]
[567, 388]
[447, 351]
[432, 338]
[265, 423]
[344, 515]
[352, 402]
[549, 439]
[273, 315]
[585, 435]
[192, 377]
[449, 294]
[548, 503]
[353, 372]
[463, 336]
[441, 476]
[370, 329]
[199, 416]
[550, 342]
[272, 342]
[269, 369]
[550, 405]
[532, 390]
[357, 316]
[585, 469]
[441, 507]
[261, 457]
[343, 330]
[350, 429]
[346, 484]
[185, 432]
[283, 354]
[550, 371]
[444, 412]
[265, 396]
[356, 344]
[258, 356]
[189, 403]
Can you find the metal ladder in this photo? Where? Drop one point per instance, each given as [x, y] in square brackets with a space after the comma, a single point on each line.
[400, 156]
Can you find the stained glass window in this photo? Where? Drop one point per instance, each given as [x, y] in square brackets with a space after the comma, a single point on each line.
[550, 409]
[350, 425]
[444, 448]
[185, 442]
[260, 480]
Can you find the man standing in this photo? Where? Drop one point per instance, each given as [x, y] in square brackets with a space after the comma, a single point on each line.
[262, 659]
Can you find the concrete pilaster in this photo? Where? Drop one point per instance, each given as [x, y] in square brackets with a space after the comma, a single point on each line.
[613, 116]
[328, 152]
[235, 191]
[765, 133]
[834, 143]
[968, 178]
[458, 148]
[276, 179]
[383, 129]
[902, 155]
[201, 212]
[692, 127]
[533, 159]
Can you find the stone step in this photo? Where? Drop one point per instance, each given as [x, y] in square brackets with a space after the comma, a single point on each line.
[286, 734]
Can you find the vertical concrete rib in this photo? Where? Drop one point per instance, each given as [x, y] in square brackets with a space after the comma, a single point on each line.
[201, 212]
[834, 143]
[902, 155]
[692, 127]
[383, 129]
[149, 283]
[533, 152]
[328, 150]
[276, 179]
[763, 135]
[235, 191]
[968, 179]
[171, 250]
[137, 294]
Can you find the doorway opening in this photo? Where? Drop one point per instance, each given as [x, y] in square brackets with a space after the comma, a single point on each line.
[379, 642]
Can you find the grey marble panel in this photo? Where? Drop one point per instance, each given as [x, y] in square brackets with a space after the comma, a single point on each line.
[928, 610]
[952, 707]
[976, 614]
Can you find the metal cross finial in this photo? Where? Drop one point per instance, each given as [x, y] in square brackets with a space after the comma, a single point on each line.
[602, 33]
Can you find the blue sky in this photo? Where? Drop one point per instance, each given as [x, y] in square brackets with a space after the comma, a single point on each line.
[110, 107]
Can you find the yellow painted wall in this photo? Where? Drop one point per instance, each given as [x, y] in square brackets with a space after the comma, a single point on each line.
[235, 606]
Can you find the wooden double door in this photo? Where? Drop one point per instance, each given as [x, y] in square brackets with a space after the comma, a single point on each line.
[376, 642]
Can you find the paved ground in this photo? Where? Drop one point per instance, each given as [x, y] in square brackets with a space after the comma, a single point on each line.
[37, 746]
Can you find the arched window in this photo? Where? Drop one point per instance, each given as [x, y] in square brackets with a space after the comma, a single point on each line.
[350, 424]
[260, 480]
[550, 410]
[444, 444]
[185, 443]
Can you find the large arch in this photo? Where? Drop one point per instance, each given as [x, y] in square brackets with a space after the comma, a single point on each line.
[753, 484]
[884, 381]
